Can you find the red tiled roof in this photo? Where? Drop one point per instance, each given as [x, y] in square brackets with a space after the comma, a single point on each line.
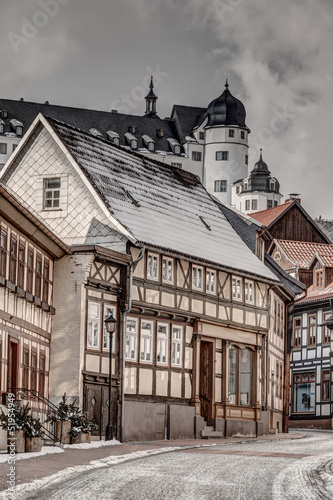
[302, 252]
[314, 295]
[266, 217]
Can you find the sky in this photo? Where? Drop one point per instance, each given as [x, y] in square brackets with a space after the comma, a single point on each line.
[276, 54]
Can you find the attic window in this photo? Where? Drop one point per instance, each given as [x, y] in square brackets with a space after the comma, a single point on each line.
[175, 146]
[148, 141]
[160, 132]
[51, 195]
[132, 129]
[132, 140]
[319, 279]
[272, 185]
[2, 126]
[96, 133]
[207, 226]
[4, 113]
[17, 126]
[277, 256]
[113, 137]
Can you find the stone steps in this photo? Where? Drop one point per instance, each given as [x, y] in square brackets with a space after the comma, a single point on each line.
[210, 433]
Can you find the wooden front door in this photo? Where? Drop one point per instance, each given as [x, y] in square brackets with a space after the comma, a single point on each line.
[206, 380]
[96, 405]
[13, 358]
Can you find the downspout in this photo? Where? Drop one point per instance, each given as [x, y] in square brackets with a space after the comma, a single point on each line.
[127, 310]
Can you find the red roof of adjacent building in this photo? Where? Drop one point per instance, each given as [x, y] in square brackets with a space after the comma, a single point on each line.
[315, 295]
[266, 217]
[301, 253]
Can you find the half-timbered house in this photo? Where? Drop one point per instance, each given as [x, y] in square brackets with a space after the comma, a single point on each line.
[150, 245]
[28, 250]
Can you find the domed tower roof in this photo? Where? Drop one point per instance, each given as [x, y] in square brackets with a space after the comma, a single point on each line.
[260, 168]
[260, 178]
[226, 110]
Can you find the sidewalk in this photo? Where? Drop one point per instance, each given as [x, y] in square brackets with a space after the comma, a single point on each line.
[42, 466]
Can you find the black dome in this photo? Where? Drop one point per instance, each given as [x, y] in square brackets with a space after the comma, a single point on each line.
[226, 110]
[260, 178]
[260, 168]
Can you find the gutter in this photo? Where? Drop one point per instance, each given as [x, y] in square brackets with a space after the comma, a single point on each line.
[126, 311]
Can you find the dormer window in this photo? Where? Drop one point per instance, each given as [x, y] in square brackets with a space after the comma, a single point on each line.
[149, 143]
[17, 126]
[201, 136]
[175, 146]
[132, 140]
[246, 186]
[4, 113]
[319, 279]
[113, 137]
[160, 132]
[132, 129]
[272, 185]
[2, 126]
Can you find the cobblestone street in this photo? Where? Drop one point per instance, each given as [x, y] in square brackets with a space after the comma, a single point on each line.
[290, 469]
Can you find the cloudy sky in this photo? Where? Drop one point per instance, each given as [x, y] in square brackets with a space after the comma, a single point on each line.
[278, 54]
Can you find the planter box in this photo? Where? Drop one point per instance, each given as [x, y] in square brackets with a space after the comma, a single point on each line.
[82, 438]
[18, 440]
[33, 445]
[63, 431]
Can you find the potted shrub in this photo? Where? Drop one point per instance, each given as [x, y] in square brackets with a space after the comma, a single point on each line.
[62, 421]
[33, 434]
[14, 423]
[81, 428]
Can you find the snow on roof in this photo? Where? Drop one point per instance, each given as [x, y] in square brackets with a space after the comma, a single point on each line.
[170, 203]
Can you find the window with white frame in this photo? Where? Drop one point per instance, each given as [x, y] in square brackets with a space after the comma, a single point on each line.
[51, 193]
[254, 205]
[108, 310]
[196, 155]
[236, 288]
[146, 341]
[220, 186]
[177, 344]
[197, 274]
[312, 330]
[162, 343]
[326, 331]
[152, 266]
[249, 292]
[210, 281]
[131, 339]
[167, 270]
[94, 323]
[247, 204]
[222, 155]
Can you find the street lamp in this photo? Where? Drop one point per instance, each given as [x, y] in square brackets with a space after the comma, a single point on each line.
[110, 325]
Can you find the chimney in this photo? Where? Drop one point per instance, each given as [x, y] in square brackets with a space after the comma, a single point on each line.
[294, 197]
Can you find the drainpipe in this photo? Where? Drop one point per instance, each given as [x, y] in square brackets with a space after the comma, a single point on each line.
[127, 310]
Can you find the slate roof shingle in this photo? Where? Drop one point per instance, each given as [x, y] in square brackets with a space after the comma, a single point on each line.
[168, 203]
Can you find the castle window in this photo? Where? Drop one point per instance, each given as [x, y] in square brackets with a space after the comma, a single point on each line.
[202, 136]
[272, 185]
[237, 189]
[220, 186]
[254, 205]
[269, 203]
[222, 155]
[242, 134]
[3, 148]
[196, 155]
[246, 186]
[51, 193]
[247, 204]
[2, 126]
[246, 159]
[231, 132]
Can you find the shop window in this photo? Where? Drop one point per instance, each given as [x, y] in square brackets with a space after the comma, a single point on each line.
[304, 392]
[240, 375]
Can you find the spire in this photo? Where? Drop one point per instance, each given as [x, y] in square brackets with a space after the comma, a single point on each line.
[151, 99]
[226, 83]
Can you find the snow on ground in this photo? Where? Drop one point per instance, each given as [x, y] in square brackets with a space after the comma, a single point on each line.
[25, 491]
[93, 444]
[46, 450]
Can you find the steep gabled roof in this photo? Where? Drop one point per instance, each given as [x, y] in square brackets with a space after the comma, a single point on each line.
[268, 217]
[301, 253]
[160, 206]
[186, 118]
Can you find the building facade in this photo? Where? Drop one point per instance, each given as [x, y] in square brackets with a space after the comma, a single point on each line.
[149, 245]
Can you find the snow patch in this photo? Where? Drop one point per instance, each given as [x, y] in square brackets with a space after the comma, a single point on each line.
[93, 444]
[46, 450]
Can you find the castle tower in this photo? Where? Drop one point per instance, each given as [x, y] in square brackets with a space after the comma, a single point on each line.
[226, 145]
[151, 99]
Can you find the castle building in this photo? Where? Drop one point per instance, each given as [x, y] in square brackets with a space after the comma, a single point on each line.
[211, 142]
